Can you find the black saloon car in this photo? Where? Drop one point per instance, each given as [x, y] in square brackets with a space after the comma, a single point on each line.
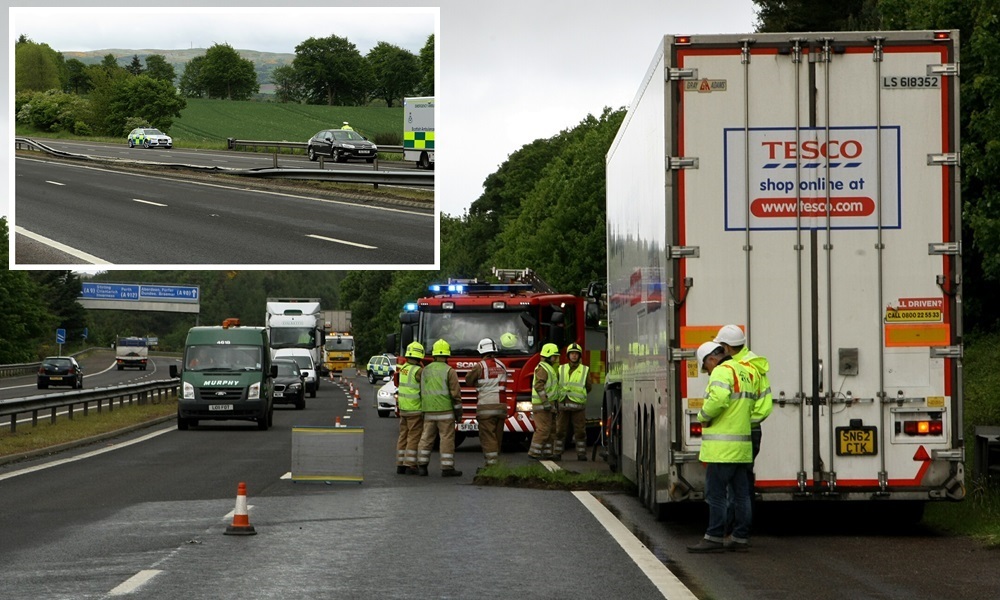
[290, 384]
[60, 370]
[341, 145]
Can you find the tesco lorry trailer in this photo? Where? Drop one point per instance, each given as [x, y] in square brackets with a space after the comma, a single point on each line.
[804, 187]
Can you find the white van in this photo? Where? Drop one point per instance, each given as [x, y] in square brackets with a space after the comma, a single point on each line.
[303, 357]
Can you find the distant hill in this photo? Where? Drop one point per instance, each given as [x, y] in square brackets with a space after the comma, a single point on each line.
[263, 62]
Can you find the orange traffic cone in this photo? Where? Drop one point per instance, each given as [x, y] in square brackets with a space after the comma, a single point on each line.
[241, 520]
[337, 423]
[356, 394]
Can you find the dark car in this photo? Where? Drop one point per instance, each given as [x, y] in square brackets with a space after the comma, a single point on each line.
[290, 384]
[60, 370]
[340, 145]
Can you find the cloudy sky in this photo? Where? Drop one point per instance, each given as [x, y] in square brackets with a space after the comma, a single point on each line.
[509, 72]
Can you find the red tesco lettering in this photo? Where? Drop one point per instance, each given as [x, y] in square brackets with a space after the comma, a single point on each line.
[812, 149]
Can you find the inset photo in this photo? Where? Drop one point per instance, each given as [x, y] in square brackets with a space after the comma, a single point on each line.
[297, 137]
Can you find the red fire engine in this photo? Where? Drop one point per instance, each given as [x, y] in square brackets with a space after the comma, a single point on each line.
[520, 314]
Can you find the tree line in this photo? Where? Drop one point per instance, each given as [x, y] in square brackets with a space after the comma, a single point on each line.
[544, 207]
[109, 99]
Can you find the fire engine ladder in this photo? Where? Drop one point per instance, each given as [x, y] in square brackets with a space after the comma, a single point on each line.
[524, 276]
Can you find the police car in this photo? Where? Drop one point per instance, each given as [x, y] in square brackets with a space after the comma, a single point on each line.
[380, 366]
[149, 138]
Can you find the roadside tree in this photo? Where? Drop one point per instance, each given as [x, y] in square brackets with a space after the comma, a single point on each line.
[36, 67]
[427, 68]
[396, 72]
[157, 67]
[226, 75]
[333, 72]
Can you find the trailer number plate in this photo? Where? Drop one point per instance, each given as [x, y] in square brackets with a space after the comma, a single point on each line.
[220, 407]
[857, 441]
[911, 83]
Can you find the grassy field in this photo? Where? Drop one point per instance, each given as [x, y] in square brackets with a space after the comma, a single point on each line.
[215, 120]
[208, 123]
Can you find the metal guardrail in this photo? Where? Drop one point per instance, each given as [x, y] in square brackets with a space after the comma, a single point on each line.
[234, 144]
[376, 177]
[141, 393]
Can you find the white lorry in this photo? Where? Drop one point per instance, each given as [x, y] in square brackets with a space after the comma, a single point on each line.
[131, 351]
[418, 131]
[296, 323]
[806, 188]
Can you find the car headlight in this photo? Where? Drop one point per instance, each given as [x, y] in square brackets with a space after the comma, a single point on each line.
[187, 390]
[374, 147]
[351, 146]
[524, 407]
[294, 387]
[254, 392]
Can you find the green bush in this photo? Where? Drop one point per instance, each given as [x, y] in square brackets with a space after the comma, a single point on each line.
[51, 110]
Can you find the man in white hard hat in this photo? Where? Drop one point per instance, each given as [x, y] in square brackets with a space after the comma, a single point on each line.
[733, 340]
[725, 445]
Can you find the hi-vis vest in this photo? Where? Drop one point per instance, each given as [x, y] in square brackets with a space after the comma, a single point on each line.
[551, 385]
[434, 393]
[573, 385]
[409, 389]
[765, 402]
[729, 398]
[491, 382]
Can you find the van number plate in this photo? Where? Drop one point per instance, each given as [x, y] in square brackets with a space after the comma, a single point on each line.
[857, 441]
[220, 407]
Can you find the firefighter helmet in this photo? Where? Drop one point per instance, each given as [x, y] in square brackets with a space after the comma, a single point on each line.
[487, 346]
[705, 350]
[415, 350]
[550, 350]
[441, 348]
[508, 340]
[574, 347]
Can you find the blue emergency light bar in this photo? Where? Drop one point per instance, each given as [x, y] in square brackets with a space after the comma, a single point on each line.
[410, 307]
[472, 288]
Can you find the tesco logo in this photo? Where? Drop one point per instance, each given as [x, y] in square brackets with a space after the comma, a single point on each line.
[810, 149]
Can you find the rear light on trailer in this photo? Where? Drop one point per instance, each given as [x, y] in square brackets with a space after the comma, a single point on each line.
[695, 429]
[932, 427]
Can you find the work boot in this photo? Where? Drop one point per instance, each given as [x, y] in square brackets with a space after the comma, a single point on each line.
[422, 470]
[400, 469]
[450, 473]
[706, 546]
[581, 457]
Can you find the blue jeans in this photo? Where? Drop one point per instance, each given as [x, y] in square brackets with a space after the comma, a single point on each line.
[718, 478]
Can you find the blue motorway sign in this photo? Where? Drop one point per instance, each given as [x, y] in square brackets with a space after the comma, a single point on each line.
[140, 292]
[60, 336]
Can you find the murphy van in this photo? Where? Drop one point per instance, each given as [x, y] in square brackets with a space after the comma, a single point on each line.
[226, 374]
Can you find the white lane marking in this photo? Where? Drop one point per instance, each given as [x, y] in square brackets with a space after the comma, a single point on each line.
[93, 453]
[134, 582]
[335, 240]
[54, 182]
[148, 202]
[90, 258]
[658, 574]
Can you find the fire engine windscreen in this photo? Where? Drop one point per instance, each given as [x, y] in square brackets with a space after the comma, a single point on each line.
[463, 330]
[222, 358]
[293, 337]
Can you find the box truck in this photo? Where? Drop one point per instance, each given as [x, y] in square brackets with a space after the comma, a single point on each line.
[804, 187]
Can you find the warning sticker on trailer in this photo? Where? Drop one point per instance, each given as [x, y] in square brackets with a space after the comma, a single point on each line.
[790, 180]
[915, 310]
[705, 85]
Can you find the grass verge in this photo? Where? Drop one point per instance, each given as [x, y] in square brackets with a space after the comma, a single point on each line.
[48, 435]
[538, 477]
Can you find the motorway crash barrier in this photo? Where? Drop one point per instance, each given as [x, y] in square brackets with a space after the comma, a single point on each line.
[376, 177]
[140, 393]
[327, 453]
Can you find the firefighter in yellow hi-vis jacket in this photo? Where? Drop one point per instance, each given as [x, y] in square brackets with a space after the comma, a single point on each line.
[544, 395]
[441, 401]
[574, 384]
[411, 417]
